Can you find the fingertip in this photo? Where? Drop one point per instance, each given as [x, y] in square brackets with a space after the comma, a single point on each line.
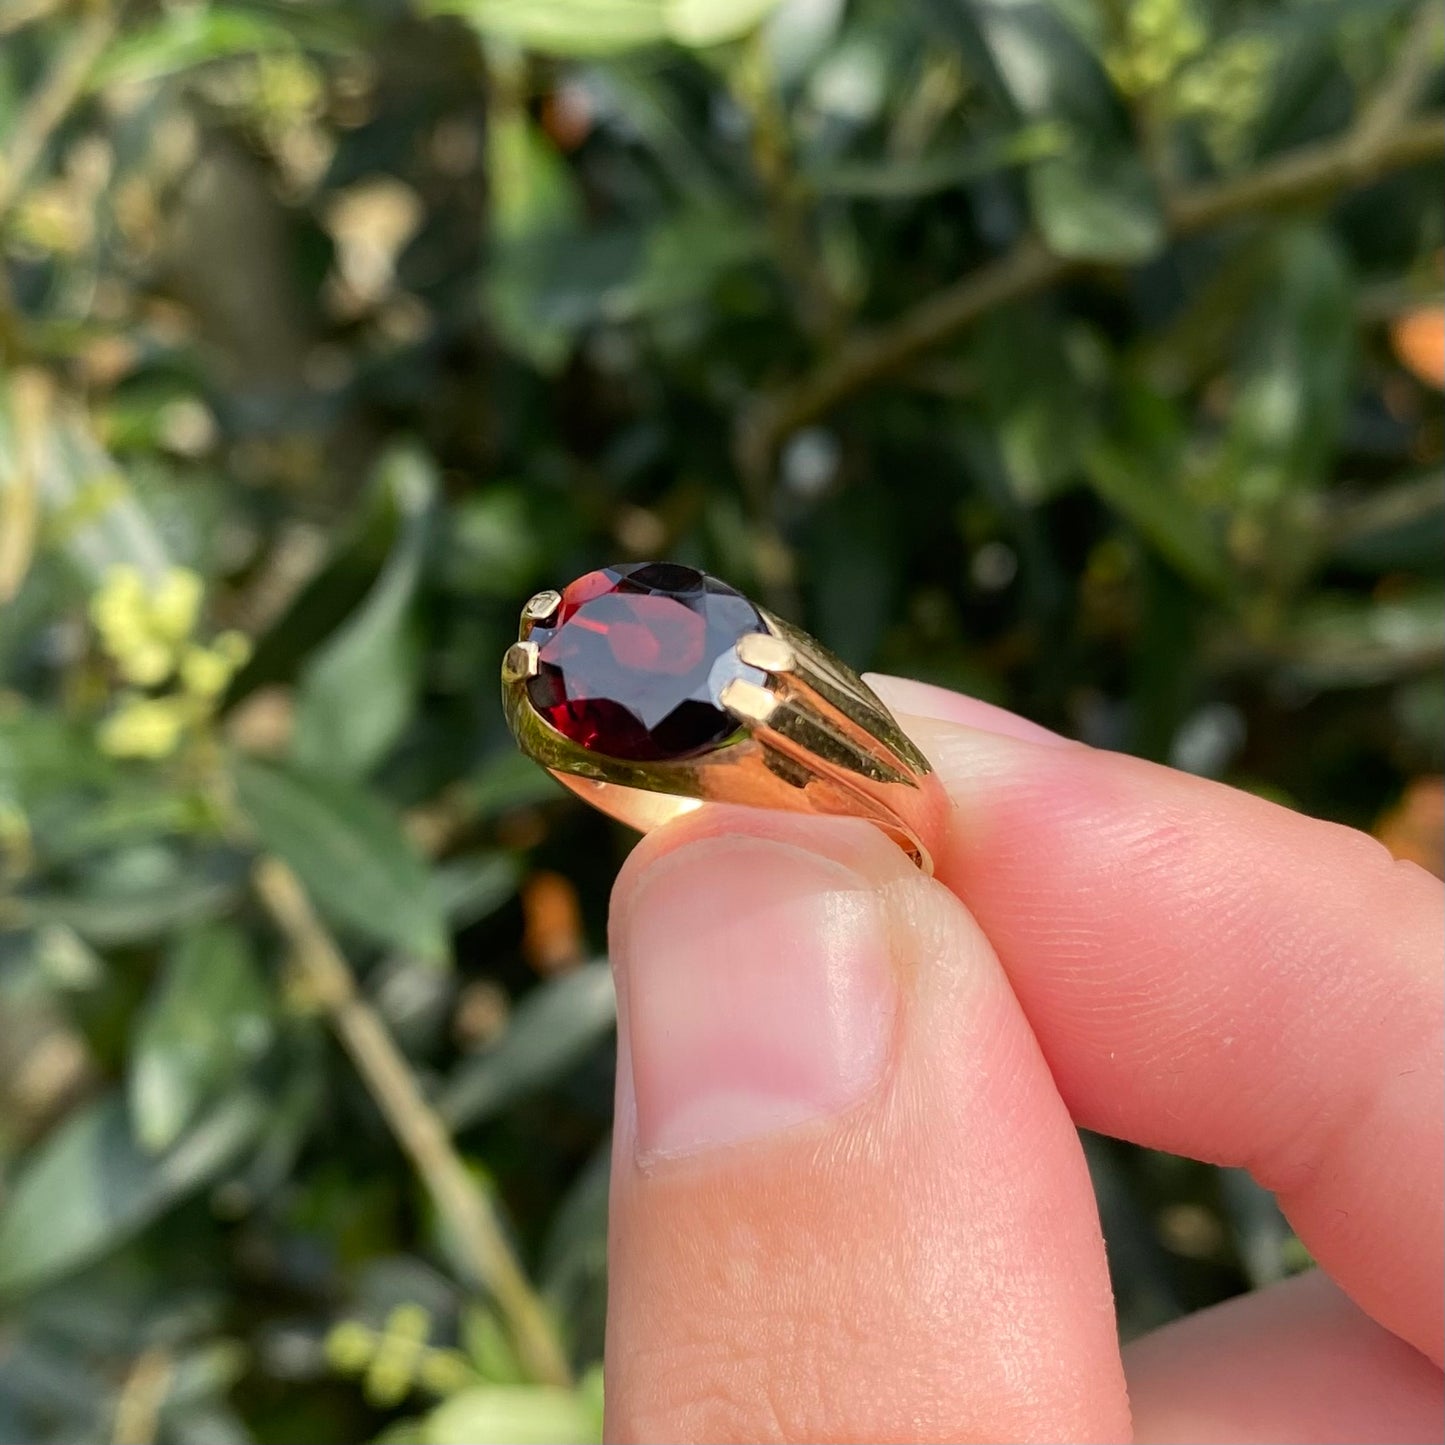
[830, 1109]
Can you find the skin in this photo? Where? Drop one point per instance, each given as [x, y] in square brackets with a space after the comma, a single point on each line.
[848, 1198]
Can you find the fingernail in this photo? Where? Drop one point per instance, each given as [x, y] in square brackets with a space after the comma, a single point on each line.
[923, 699]
[758, 988]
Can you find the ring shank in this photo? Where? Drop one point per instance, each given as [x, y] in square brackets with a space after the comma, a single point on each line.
[910, 819]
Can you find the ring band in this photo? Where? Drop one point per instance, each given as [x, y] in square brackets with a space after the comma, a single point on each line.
[651, 688]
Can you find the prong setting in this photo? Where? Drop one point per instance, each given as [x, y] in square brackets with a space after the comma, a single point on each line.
[766, 652]
[520, 661]
[542, 606]
[749, 702]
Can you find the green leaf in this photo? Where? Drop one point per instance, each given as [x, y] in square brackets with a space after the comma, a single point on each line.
[565, 27]
[659, 115]
[684, 258]
[488, 1347]
[132, 909]
[495, 543]
[331, 596]
[183, 39]
[551, 1030]
[209, 1016]
[543, 295]
[133, 811]
[357, 693]
[572, 1269]
[699, 23]
[1175, 527]
[65, 960]
[512, 1415]
[1296, 357]
[855, 558]
[350, 853]
[474, 886]
[1096, 203]
[1034, 373]
[891, 179]
[92, 515]
[531, 187]
[43, 753]
[90, 1186]
[1033, 62]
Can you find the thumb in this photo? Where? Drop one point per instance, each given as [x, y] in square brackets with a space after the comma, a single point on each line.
[847, 1200]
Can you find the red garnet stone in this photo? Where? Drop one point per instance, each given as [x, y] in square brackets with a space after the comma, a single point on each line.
[631, 663]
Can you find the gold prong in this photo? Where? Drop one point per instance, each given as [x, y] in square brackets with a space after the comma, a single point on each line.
[520, 661]
[746, 701]
[542, 606]
[763, 650]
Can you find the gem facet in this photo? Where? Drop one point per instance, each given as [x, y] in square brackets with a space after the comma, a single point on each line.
[632, 662]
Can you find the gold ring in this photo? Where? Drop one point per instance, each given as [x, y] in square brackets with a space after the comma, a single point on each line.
[651, 688]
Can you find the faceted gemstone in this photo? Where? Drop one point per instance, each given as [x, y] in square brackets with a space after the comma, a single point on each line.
[631, 663]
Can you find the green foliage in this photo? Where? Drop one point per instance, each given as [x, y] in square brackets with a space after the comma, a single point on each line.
[605, 27]
[209, 1016]
[552, 1030]
[527, 1414]
[358, 691]
[1092, 197]
[348, 850]
[1072, 352]
[91, 1185]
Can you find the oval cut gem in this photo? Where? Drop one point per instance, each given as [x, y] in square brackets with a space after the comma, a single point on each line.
[632, 661]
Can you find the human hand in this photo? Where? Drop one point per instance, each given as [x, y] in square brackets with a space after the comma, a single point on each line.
[848, 1200]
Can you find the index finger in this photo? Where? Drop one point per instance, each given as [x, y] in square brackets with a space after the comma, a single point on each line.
[1215, 975]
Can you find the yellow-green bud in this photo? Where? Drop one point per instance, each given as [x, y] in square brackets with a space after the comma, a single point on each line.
[146, 664]
[144, 728]
[176, 603]
[204, 672]
[234, 646]
[350, 1346]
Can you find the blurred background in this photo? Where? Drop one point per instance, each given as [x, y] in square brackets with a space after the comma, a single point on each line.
[1084, 355]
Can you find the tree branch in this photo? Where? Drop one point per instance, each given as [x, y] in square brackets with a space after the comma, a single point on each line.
[869, 355]
[1409, 503]
[788, 220]
[413, 1121]
[1310, 172]
[1360, 156]
[1419, 54]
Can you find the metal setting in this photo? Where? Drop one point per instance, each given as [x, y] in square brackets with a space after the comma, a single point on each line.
[763, 650]
[519, 662]
[748, 702]
[542, 606]
[812, 738]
